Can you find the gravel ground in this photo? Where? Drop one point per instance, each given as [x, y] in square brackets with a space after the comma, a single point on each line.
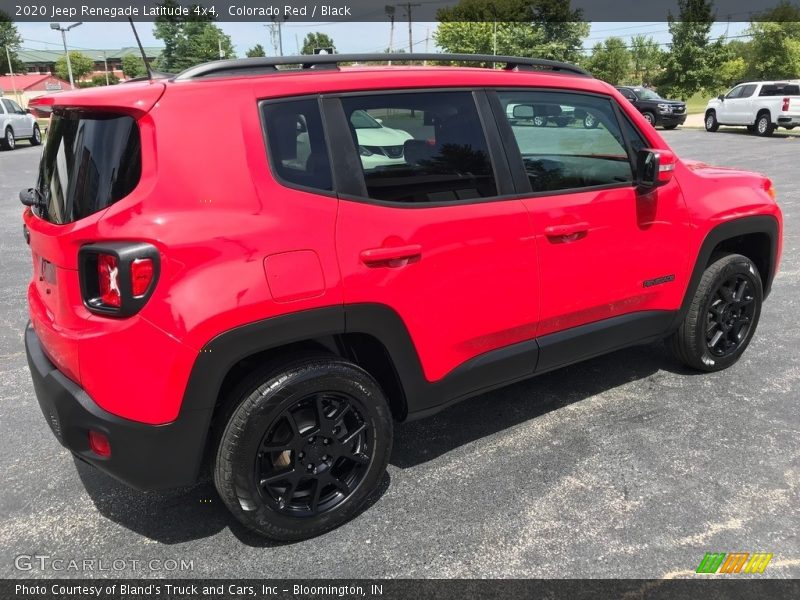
[622, 466]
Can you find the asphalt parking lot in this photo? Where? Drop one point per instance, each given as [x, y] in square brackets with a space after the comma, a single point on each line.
[623, 466]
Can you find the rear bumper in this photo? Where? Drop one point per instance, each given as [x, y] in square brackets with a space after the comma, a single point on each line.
[146, 457]
[789, 121]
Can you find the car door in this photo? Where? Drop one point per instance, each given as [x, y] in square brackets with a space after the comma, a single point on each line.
[432, 237]
[729, 110]
[745, 113]
[605, 250]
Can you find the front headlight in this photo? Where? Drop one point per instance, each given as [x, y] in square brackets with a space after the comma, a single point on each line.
[665, 108]
[364, 151]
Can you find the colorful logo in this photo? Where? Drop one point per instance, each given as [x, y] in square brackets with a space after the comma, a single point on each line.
[734, 562]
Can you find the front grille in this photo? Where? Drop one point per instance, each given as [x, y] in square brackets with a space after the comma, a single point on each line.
[678, 110]
[393, 151]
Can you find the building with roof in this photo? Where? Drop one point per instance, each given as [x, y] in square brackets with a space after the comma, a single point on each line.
[44, 61]
[30, 85]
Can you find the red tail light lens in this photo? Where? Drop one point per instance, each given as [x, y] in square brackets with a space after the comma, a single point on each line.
[108, 280]
[142, 272]
[785, 104]
[99, 444]
[118, 278]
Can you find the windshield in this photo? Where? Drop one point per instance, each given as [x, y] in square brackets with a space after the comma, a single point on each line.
[89, 162]
[362, 120]
[645, 94]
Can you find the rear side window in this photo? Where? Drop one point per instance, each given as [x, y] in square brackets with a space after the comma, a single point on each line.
[569, 141]
[90, 161]
[780, 90]
[296, 144]
[420, 146]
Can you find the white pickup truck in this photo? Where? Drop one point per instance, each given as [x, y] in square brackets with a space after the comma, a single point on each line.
[760, 105]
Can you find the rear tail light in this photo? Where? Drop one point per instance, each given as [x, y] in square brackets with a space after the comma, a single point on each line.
[785, 106]
[117, 278]
[141, 276]
[108, 280]
[99, 444]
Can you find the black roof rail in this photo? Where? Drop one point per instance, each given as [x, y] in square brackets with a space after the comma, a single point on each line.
[266, 65]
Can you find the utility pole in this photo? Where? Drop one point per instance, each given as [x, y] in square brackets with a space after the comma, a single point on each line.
[105, 65]
[408, 6]
[219, 45]
[64, 30]
[11, 71]
[390, 12]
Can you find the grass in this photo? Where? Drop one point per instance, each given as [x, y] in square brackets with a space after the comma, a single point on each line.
[697, 104]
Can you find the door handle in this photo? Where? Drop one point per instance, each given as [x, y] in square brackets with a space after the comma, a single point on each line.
[567, 230]
[388, 255]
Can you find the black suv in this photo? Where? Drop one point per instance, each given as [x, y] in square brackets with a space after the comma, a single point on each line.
[658, 111]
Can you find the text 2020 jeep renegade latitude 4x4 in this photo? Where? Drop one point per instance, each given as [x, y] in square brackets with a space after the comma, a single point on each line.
[273, 299]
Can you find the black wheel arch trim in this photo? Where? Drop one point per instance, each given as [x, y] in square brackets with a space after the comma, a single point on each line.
[761, 224]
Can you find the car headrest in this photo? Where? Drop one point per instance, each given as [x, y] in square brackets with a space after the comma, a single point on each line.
[416, 152]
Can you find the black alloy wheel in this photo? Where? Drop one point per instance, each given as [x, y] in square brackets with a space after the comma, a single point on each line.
[314, 456]
[730, 315]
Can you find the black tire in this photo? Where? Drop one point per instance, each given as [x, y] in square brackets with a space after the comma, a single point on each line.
[286, 435]
[8, 141]
[650, 117]
[590, 121]
[670, 126]
[719, 326]
[539, 121]
[711, 122]
[764, 125]
[36, 138]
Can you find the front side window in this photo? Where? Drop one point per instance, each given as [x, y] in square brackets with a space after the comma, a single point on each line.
[420, 146]
[645, 94]
[747, 91]
[569, 141]
[734, 93]
[296, 143]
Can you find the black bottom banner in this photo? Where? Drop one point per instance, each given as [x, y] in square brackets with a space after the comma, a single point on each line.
[540, 589]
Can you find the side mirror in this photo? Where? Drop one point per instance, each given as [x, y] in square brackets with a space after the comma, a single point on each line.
[522, 111]
[721, 98]
[654, 168]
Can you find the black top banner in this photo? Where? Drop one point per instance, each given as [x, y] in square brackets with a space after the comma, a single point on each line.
[378, 10]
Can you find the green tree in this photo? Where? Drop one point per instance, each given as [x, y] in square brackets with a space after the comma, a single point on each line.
[81, 65]
[775, 43]
[693, 60]
[132, 66]
[316, 40]
[646, 59]
[610, 61]
[9, 38]
[531, 28]
[256, 51]
[190, 42]
[101, 79]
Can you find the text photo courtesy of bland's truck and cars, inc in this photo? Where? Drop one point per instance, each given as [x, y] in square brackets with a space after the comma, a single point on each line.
[54, 11]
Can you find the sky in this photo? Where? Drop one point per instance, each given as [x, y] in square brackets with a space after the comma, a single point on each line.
[348, 37]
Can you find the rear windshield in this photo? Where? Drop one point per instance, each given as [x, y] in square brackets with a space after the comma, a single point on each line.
[89, 162]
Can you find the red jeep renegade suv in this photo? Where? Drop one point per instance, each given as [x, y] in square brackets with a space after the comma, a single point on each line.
[267, 266]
